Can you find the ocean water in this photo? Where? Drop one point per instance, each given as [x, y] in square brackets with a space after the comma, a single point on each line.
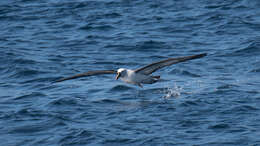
[214, 100]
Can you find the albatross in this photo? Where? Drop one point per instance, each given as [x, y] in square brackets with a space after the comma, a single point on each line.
[138, 76]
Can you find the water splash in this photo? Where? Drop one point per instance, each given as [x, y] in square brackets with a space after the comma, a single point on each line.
[172, 92]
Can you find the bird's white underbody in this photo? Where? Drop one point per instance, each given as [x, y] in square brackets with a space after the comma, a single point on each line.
[131, 77]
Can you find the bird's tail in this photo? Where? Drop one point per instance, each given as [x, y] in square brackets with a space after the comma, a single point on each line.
[156, 77]
[159, 79]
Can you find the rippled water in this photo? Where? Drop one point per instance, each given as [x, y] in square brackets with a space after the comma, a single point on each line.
[210, 101]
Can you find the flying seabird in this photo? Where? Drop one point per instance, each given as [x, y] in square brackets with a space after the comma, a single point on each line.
[138, 76]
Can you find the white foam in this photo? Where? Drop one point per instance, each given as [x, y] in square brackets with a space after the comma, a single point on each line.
[173, 92]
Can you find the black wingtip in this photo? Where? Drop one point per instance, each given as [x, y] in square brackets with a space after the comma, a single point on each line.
[199, 56]
[186, 58]
[63, 79]
[202, 55]
[57, 81]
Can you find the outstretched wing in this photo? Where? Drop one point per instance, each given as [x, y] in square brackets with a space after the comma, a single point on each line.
[158, 65]
[90, 73]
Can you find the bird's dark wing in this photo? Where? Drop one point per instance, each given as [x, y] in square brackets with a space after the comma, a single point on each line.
[158, 65]
[90, 73]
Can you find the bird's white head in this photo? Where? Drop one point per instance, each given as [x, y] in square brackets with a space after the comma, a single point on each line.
[121, 72]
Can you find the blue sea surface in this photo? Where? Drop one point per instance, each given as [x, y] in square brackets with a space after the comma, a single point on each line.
[213, 100]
